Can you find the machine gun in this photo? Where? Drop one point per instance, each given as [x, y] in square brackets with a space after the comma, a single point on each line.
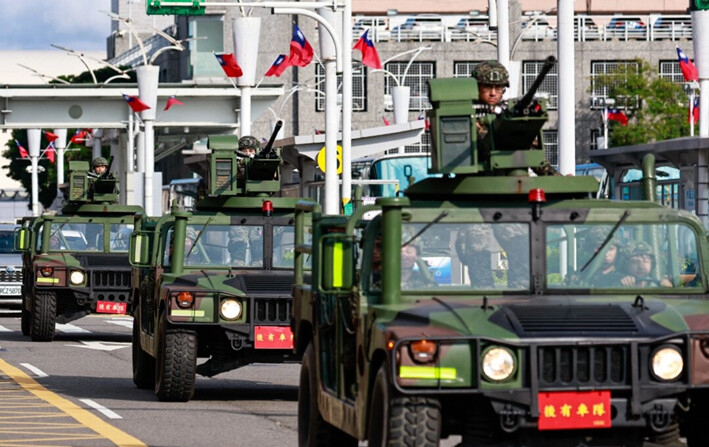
[522, 106]
[267, 151]
[107, 173]
[264, 166]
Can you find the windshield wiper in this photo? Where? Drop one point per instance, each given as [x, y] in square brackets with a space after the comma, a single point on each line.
[426, 227]
[607, 239]
[199, 235]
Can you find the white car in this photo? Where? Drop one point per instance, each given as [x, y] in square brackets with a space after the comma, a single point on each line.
[10, 267]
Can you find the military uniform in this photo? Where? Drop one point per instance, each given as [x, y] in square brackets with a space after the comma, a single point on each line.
[248, 146]
[246, 245]
[473, 248]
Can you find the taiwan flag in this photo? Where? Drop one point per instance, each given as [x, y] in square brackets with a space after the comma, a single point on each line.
[301, 53]
[370, 57]
[23, 151]
[135, 103]
[427, 123]
[617, 115]
[386, 121]
[278, 66]
[229, 65]
[78, 136]
[50, 135]
[51, 153]
[694, 116]
[171, 101]
[689, 70]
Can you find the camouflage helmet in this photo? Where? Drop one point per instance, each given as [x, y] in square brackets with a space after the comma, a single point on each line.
[98, 161]
[639, 248]
[248, 142]
[491, 73]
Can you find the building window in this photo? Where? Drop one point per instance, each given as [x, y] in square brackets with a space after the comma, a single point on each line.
[207, 35]
[607, 68]
[595, 135]
[464, 69]
[416, 79]
[549, 86]
[551, 146]
[423, 146]
[359, 88]
[670, 70]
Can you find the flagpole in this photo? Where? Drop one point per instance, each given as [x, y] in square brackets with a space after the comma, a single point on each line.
[604, 116]
[691, 112]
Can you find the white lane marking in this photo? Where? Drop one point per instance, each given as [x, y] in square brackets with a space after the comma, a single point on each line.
[122, 322]
[102, 345]
[103, 410]
[37, 372]
[71, 329]
[4, 329]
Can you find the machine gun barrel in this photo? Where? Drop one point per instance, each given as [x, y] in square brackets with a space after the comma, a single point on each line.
[266, 151]
[108, 168]
[529, 96]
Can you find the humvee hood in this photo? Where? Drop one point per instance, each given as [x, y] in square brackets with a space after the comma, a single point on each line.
[239, 283]
[535, 317]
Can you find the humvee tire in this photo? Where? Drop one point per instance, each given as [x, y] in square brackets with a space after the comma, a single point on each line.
[176, 364]
[143, 363]
[26, 318]
[44, 316]
[313, 431]
[402, 420]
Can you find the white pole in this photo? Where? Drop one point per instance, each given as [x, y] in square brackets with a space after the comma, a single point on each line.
[605, 126]
[503, 33]
[400, 95]
[245, 114]
[60, 146]
[690, 117]
[347, 103]
[246, 44]
[148, 88]
[567, 90]
[130, 144]
[97, 134]
[33, 139]
[328, 53]
[700, 36]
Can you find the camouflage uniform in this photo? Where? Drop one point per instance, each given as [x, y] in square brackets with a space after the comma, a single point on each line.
[242, 239]
[473, 249]
[514, 240]
[248, 145]
[605, 275]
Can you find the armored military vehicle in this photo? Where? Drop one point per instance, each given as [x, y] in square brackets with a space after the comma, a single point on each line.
[76, 262]
[502, 306]
[215, 282]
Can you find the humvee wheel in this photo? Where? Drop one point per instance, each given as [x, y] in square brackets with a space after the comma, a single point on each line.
[143, 363]
[402, 420]
[176, 364]
[26, 318]
[43, 316]
[313, 431]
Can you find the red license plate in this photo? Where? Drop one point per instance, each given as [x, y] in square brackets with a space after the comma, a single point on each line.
[570, 410]
[273, 337]
[110, 307]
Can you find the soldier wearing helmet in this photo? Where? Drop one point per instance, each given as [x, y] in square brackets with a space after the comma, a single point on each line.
[640, 267]
[473, 247]
[99, 166]
[249, 145]
[493, 79]
[607, 275]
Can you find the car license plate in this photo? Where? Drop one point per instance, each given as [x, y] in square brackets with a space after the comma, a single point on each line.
[110, 307]
[273, 337]
[569, 410]
[10, 290]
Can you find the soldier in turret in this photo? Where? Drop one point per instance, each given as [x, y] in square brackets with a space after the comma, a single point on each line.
[248, 145]
[493, 79]
[99, 166]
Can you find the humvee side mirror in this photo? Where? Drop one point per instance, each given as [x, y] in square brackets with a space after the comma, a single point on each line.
[138, 253]
[22, 239]
[338, 269]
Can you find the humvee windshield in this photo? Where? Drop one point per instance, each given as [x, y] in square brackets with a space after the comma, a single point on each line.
[477, 256]
[86, 237]
[235, 246]
[634, 256]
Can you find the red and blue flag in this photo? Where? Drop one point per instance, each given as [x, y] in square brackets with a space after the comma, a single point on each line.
[617, 115]
[171, 101]
[689, 70]
[135, 103]
[79, 136]
[301, 53]
[229, 65]
[278, 66]
[23, 151]
[50, 152]
[50, 135]
[370, 57]
[694, 114]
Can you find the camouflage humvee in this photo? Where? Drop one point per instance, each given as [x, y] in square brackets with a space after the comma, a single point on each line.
[506, 308]
[76, 263]
[216, 282]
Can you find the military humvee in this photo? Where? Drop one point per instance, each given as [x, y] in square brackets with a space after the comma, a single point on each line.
[215, 282]
[76, 262]
[488, 304]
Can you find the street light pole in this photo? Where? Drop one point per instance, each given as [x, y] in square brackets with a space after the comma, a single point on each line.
[33, 139]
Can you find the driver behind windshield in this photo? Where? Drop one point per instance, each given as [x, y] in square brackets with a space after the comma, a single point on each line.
[641, 262]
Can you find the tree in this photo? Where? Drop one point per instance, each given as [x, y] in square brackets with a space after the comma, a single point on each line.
[17, 169]
[656, 107]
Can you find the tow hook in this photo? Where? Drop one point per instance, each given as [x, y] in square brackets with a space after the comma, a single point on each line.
[659, 417]
[510, 418]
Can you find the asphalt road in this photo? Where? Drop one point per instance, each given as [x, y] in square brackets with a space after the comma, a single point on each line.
[77, 391]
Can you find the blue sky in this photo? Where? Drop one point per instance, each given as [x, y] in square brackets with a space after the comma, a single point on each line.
[35, 24]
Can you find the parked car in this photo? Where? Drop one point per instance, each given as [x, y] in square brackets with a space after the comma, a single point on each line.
[10, 267]
[469, 28]
[419, 27]
[629, 27]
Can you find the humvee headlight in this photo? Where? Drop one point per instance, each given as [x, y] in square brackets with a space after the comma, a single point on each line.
[667, 363]
[230, 309]
[423, 351]
[498, 364]
[77, 277]
[185, 299]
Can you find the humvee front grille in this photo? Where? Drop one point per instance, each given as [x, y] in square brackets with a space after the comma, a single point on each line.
[268, 284]
[104, 279]
[604, 366]
[272, 311]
